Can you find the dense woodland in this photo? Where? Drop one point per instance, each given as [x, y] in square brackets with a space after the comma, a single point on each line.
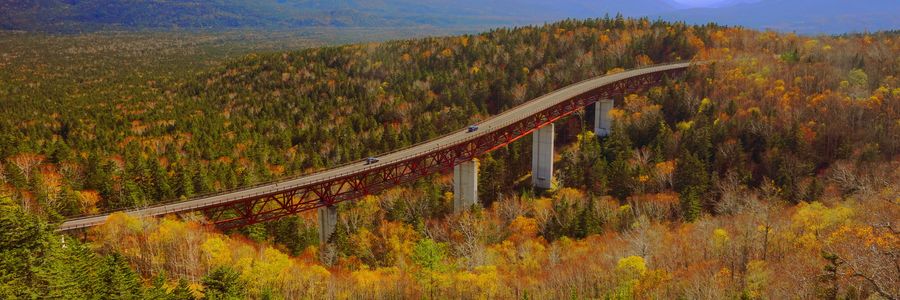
[771, 173]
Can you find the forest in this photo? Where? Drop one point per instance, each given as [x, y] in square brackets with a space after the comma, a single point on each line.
[770, 173]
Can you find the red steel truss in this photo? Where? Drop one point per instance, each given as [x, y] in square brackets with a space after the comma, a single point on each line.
[267, 207]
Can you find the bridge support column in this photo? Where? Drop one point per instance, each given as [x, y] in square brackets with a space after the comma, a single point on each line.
[602, 121]
[465, 185]
[542, 157]
[328, 218]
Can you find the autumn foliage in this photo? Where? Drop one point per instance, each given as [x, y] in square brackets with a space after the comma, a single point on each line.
[770, 173]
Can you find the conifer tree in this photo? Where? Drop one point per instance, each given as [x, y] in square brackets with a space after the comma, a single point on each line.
[117, 280]
[182, 291]
[223, 283]
[692, 183]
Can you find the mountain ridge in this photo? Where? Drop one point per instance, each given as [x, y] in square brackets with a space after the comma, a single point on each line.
[803, 16]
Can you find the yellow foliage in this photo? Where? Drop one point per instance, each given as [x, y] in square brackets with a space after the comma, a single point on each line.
[643, 178]
[666, 167]
[362, 241]
[720, 238]
[217, 251]
[196, 290]
[523, 227]
[757, 278]
[643, 60]
[123, 220]
[88, 200]
[269, 269]
[168, 231]
[869, 237]
[570, 194]
[815, 217]
[631, 267]
[616, 114]
[375, 281]
[483, 283]
[542, 205]
[603, 39]
[684, 125]
[447, 52]
[398, 239]
[464, 41]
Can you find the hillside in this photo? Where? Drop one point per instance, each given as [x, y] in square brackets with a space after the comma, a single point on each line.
[781, 156]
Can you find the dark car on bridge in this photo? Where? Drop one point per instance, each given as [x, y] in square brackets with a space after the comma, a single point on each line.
[371, 160]
[472, 128]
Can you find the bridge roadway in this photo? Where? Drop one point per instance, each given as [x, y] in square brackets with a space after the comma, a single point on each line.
[496, 122]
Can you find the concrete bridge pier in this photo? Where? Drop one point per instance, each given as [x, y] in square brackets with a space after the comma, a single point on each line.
[542, 157]
[465, 185]
[602, 121]
[328, 218]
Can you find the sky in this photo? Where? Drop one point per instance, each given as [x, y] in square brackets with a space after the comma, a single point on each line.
[699, 2]
[707, 3]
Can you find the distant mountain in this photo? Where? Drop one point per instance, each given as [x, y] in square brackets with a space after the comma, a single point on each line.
[88, 15]
[805, 16]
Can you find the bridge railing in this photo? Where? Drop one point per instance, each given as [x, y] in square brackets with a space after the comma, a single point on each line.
[476, 134]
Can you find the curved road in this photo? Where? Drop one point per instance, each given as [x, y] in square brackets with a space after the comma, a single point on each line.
[515, 114]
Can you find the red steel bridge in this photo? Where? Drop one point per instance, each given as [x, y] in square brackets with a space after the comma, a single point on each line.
[269, 201]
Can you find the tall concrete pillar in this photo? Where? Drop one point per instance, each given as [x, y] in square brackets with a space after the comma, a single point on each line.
[542, 157]
[602, 121]
[465, 185]
[328, 218]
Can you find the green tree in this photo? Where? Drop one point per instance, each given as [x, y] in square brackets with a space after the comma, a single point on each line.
[430, 257]
[117, 279]
[491, 179]
[692, 183]
[621, 172]
[663, 144]
[23, 242]
[182, 291]
[157, 289]
[223, 283]
[589, 221]
[585, 166]
[36, 263]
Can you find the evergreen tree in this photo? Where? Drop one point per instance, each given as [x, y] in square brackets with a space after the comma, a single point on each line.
[618, 150]
[663, 143]
[690, 203]
[157, 289]
[182, 291]
[36, 263]
[621, 179]
[589, 222]
[618, 144]
[163, 190]
[691, 172]
[491, 179]
[24, 241]
[692, 183]
[68, 271]
[118, 281]
[223, 283]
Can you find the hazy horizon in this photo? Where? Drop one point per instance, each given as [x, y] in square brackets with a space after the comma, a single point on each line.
[802, 16]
